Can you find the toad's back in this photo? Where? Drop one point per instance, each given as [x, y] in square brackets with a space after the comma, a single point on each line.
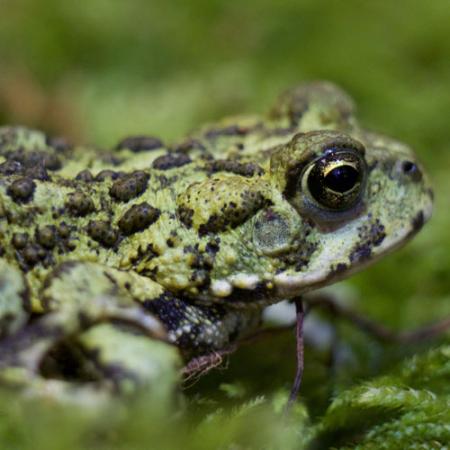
[203, 217]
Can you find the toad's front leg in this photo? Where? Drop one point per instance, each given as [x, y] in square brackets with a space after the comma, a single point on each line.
[96, 339]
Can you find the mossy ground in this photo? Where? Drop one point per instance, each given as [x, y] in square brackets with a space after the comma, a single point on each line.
[99, 71]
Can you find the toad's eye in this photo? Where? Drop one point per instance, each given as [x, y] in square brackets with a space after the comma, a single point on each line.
[335, 181]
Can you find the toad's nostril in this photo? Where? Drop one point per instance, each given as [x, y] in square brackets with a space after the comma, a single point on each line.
[411, 169]
[408, 166]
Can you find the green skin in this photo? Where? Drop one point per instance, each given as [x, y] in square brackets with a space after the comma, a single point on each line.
[111, 257]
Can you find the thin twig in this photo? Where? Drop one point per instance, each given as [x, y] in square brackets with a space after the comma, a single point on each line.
[378, 330]
[300, 316]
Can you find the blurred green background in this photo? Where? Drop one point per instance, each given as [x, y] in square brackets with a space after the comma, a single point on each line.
[99, 70]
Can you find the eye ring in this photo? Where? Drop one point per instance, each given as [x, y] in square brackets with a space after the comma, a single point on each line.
[335, 181]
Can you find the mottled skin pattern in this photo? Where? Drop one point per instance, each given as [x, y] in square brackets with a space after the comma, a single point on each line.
[107, 255]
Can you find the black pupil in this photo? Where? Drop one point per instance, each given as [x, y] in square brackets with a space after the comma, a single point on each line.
[342, 179]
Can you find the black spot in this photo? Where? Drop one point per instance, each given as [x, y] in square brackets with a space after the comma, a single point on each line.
[362, 252]
[188, 145]
[243, 169]
[185, 215]
[201, 263]
[165, 182]
[213, 246]
[29, 253]
[190, 249]
[52, 162]
[259, 294]
[200, 277]
[232, 130]
[102, 232]
[11, 167]
[110, 158]
[38, 172]
[418, 221]
[140, 143]
[33, 254]
[32, 159]
[46, 236]
[19, 240]
[138, 218]
[79, 204]
[60, 144]
[144, 254]
[171, 161]
[85, 175]
[300, 259]
[168, 308]
[66, 245]
[369, 236]
[129, 186]
[22, 190]
[233, 215]
[107, 174]
[338, 268]
[64, 230]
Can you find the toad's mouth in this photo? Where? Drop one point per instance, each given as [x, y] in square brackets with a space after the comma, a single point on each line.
[322, 273]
